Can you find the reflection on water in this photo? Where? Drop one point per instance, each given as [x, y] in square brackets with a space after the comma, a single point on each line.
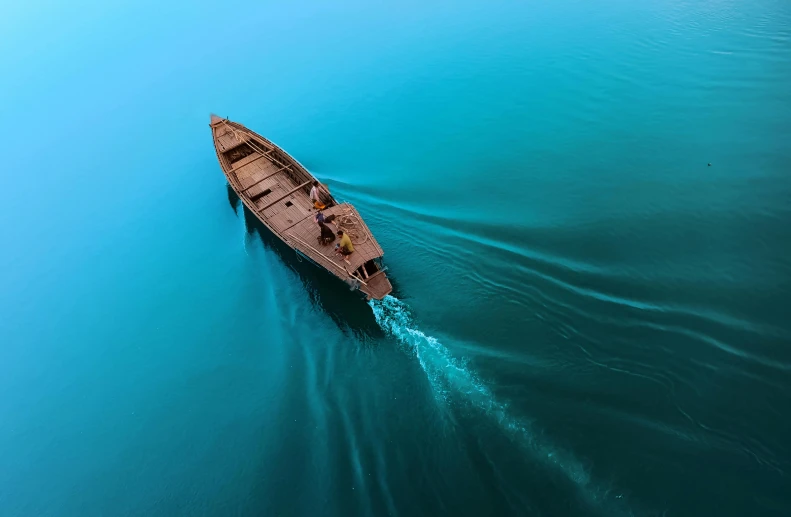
[346, 307]
[233, 198]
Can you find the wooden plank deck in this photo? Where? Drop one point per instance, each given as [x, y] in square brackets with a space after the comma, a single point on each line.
[226, 139]
[278, 186]
[252, 172]
[365, 246]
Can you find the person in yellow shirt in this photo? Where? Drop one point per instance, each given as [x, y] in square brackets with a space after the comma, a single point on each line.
[344, 248]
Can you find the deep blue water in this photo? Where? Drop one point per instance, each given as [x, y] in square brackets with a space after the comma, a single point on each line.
[587, 318]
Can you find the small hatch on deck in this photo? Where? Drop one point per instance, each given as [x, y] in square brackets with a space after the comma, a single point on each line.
[266, 192]
[289, 203]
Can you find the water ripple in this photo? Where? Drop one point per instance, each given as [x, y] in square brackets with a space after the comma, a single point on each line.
[451, 378]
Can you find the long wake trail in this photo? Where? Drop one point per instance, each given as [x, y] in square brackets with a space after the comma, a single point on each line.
[451, 377]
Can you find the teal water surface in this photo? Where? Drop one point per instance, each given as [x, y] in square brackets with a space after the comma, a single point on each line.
[588, 319]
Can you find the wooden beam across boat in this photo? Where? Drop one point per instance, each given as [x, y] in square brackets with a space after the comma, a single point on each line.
[298, 222]
[266, 178]
[248, 163]
[321, 254]
[351, 275]
[284, 196]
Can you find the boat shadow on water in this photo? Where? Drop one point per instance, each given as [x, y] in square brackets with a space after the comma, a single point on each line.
[345, 306]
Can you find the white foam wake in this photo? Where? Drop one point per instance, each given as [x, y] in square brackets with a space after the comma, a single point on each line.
[451, 377]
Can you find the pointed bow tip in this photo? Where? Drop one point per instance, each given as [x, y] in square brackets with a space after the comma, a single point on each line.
[215, 119]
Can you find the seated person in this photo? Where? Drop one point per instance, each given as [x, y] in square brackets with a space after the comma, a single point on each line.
[321, 218]
[345, 247]
[326, 236]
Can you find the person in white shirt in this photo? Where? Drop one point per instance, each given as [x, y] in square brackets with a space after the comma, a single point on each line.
[314, 195]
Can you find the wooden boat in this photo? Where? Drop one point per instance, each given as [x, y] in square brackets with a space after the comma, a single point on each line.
[276, 188]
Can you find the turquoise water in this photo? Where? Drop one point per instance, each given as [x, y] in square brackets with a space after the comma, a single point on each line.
[587, 318]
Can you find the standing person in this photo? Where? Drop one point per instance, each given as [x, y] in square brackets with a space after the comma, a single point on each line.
[345, 247]
[315, 197]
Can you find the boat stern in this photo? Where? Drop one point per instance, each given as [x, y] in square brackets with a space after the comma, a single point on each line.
[377, 286]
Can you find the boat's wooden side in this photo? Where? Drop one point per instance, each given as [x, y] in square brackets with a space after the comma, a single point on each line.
[275, 187]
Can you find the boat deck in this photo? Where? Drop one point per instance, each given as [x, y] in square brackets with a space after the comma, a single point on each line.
[305, 236]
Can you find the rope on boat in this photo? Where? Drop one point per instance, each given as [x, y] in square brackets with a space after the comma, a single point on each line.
[233, 131]
[350, 223]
